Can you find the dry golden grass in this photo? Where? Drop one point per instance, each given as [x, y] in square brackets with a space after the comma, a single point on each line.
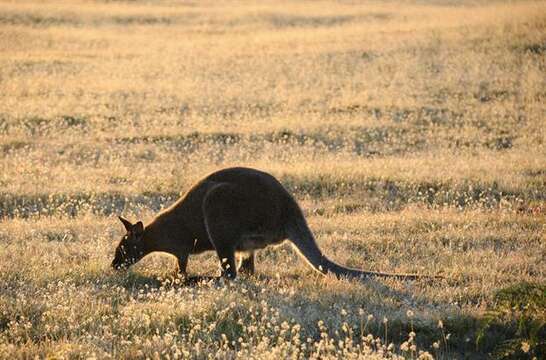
[411, 132]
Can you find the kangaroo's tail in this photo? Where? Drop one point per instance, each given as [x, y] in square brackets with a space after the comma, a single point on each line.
[300, 235]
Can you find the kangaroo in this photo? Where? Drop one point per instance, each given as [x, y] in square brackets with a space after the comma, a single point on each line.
[231, 211]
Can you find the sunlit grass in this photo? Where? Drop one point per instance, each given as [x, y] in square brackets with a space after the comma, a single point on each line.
[412, 135]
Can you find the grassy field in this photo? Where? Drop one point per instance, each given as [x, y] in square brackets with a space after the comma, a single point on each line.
[411, 132]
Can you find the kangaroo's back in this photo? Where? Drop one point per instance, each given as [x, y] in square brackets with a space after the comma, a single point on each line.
[251, 199]
[261, 201]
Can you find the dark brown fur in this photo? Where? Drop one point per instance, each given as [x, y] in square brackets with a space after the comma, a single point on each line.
[234, 210]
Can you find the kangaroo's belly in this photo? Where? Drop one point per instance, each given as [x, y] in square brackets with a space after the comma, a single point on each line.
[250, 242]
[200, 245]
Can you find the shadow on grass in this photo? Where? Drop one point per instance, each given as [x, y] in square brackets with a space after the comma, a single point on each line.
[516, 317]
[496, 335]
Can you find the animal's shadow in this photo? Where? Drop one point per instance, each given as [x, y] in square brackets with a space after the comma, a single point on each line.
[300, 304]
[136, 282]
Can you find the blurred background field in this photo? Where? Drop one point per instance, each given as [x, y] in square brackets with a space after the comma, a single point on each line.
[412, 133]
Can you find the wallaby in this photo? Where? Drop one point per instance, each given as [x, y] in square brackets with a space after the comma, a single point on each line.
[232, 211]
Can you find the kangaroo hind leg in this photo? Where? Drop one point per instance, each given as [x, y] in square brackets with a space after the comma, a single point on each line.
[183, 264]
[223, 226]
[246, 264]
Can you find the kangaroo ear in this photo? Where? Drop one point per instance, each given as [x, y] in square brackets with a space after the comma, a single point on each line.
[126, 223]
[138, 228]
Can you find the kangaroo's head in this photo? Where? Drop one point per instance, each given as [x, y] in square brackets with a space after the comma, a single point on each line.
[130, 248]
